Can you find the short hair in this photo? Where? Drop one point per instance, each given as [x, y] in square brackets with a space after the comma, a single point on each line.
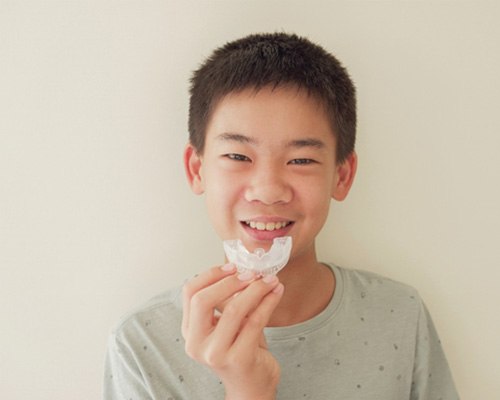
[275, 60]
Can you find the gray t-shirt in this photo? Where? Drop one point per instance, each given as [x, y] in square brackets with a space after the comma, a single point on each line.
[375, 340]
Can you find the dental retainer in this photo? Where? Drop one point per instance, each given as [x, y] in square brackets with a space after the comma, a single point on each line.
[260, 262]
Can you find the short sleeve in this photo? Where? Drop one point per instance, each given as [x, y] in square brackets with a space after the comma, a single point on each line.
[122, 380]
[431, 374]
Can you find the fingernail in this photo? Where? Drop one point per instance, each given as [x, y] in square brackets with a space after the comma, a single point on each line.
[246, 276]
[270, 279]
[228, 267]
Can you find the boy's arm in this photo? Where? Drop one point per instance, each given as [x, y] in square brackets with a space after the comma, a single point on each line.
[224, 315]
[431, 374]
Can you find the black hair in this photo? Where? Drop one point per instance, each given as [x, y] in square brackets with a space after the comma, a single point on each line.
[275, 60]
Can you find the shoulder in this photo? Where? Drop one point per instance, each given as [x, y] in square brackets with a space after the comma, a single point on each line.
[144, 345]
[162, 311]
[378, 294]
[365, 280]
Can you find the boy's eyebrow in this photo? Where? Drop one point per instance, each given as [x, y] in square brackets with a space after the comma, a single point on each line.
[237, 137]
[308, 142]
[298, 143]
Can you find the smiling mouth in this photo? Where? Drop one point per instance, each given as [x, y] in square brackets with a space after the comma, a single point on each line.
[267, 226]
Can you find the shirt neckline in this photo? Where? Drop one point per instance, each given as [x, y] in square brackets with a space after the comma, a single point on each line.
[316, 322]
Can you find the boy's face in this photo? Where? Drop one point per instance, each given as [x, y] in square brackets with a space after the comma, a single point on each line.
[268, 168]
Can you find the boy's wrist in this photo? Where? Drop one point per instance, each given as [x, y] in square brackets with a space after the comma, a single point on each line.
[261, 393]
[267, 396]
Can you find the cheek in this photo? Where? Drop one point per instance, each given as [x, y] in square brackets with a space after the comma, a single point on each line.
[321, 211]
[222, 188]
[317, 197]
[315, 188]
[221, 196]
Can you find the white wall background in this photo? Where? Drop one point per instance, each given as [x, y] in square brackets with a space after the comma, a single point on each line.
[95, 215]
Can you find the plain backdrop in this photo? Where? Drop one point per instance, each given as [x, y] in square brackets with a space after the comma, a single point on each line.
[96, 216]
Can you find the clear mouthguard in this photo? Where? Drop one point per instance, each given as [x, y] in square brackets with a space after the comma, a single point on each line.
[259, 261]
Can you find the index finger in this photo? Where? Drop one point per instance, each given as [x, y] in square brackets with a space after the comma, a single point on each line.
[198, 283]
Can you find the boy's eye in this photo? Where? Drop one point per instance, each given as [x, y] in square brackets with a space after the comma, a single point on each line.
[237, 157]
[302, 161]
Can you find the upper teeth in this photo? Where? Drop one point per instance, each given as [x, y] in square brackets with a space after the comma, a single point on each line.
[266, 226]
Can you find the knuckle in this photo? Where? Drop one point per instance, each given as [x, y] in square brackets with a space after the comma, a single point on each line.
[188, 290]
[215, 271]
[191, 350]
[213, 359]
[208, 356]
[260, 288]
[195, 283]
[255, 321]
[235, 359]
[199, 282]
[213, 274]
[231, 311]
[198, 299]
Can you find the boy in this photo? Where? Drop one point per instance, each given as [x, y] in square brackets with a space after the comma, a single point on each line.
[272, 129]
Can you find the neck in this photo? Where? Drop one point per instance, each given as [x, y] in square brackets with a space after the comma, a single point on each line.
[309, 287]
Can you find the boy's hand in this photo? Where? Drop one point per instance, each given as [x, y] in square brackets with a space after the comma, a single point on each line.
[223, 320]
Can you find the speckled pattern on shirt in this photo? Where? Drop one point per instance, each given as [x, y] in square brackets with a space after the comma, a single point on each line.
[375, 340]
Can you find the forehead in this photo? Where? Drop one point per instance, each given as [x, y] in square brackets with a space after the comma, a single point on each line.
[271, 114]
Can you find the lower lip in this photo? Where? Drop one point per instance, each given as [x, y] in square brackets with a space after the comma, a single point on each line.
[265, 236]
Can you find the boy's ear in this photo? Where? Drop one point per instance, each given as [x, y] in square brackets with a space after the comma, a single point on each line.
[344, 177]
[193, 167]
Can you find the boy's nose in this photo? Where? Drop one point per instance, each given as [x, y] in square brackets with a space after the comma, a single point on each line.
[268, 188]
